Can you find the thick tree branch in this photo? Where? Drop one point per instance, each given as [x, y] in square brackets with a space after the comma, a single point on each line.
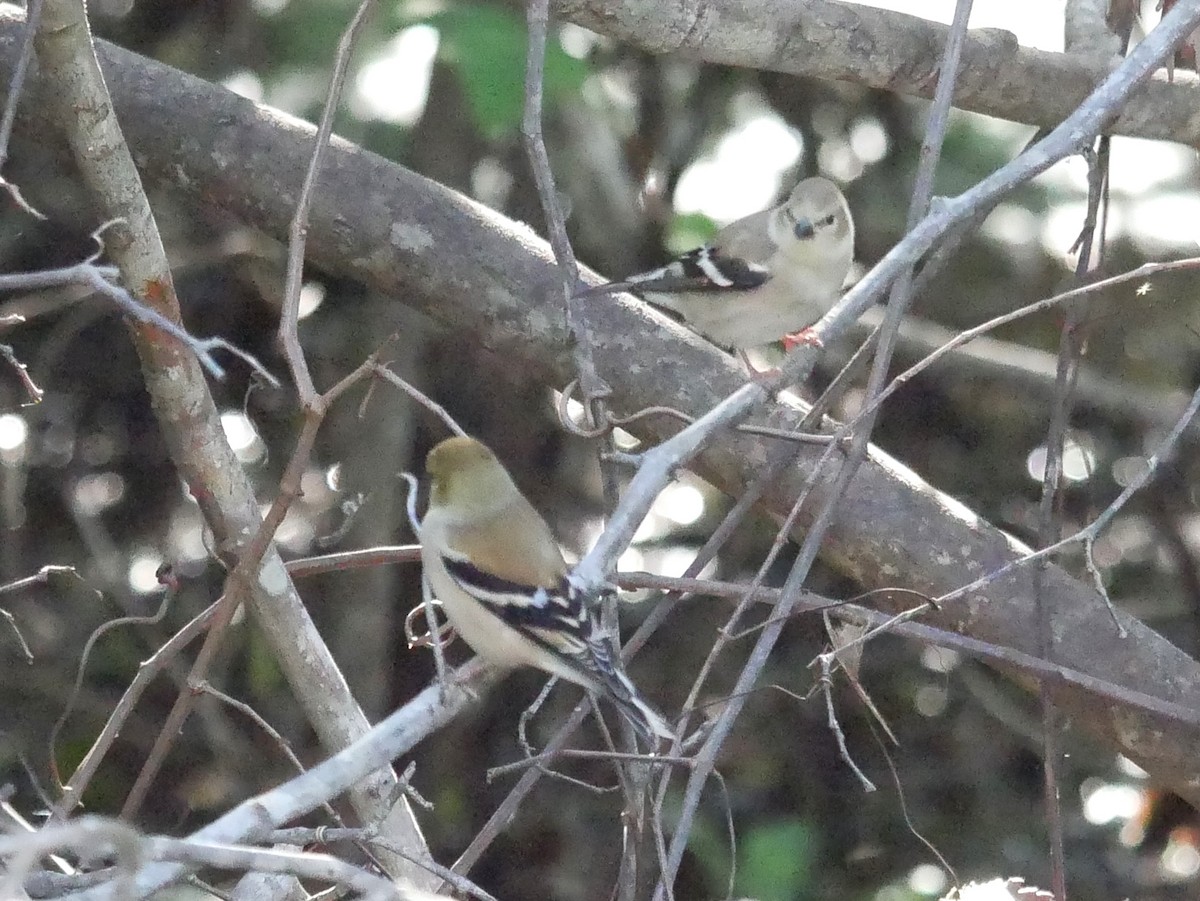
[70, 82]
[256, 817]
[1031, 371]
[889, 50]
[470, 268]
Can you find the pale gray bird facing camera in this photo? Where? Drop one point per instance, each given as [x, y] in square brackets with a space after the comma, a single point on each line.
[767, 276]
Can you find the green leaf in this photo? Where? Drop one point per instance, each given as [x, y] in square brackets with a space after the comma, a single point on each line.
[709, 844]
[689, 230]
[485, 45]
[776, 861]
[306, 31]
[263, 674]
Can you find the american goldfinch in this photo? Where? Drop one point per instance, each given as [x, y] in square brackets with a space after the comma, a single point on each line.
[493, 563]
[762, 276]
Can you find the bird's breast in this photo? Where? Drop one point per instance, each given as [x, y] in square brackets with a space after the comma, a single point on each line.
[742, 319]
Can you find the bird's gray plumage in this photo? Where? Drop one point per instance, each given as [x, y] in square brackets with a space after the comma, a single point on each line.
[763, 276]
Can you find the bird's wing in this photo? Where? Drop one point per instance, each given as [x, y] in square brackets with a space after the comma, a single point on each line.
[514, 545]
[736, 259]
[747, 239]
[560, 621]
[552, 617]
[700, 270]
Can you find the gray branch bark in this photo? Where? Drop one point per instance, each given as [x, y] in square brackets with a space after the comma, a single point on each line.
[887, 50]
[188, 416]
[471, 269]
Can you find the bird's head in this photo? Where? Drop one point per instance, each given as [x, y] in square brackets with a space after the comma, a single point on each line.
[467, 478]
[815, 220]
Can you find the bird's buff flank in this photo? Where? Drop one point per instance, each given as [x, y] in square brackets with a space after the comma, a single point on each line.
[492, 561]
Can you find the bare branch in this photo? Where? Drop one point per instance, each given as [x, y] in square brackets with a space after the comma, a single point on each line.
[32, 391]
[298, 232]
[81, 778]
[15, 86]
[1072, 339]
[41, 577]
[1032, 371]
[243, 580]
[196, 854]
[326, 835]
[381, 371]
[898, 303]
[466, 266]
[891, 51]
[89, 835]
[1006, 657]
[99, 279]
[70, 80]
[1086, 32]
[85, 655]
[253, 819]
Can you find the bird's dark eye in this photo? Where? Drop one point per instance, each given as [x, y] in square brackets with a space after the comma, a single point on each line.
[828, 220]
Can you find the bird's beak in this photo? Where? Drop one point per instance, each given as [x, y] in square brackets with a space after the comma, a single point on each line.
[804, 229]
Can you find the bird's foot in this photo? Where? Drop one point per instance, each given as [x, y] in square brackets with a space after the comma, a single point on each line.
[765, 377]
[761, 376]
[457, 680]
[806, 337]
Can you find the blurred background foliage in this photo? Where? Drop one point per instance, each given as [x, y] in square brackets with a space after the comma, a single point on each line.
[651, 155]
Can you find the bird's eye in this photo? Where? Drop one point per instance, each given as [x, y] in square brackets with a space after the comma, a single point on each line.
[828, 220]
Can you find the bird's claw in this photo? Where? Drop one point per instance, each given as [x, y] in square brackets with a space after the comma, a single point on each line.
[806, 337]
[415, 639]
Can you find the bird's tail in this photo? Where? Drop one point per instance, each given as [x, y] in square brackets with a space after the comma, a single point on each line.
[624, 695]
[607, 288]
[600, 662]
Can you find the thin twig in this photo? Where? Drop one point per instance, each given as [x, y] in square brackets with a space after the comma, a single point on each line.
[1070, 354]
[900, 625]
[72, 792]
[254, 818]
[1088, 534]
[41, 577]
[301, 864]
[298, 230]
[825, 682]
[271, 732]
[40, 279]
[610, 421]
[504, 769]
[350, 560]
[33, 15]
[16, 630]
[904, 812]
[241, 583]
[898, 303]
[537, 18]
[380, 370]
[300, 835]
[965, 337]
[171, 588]
[32, 391]
[1074, 132]
[99, 279]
